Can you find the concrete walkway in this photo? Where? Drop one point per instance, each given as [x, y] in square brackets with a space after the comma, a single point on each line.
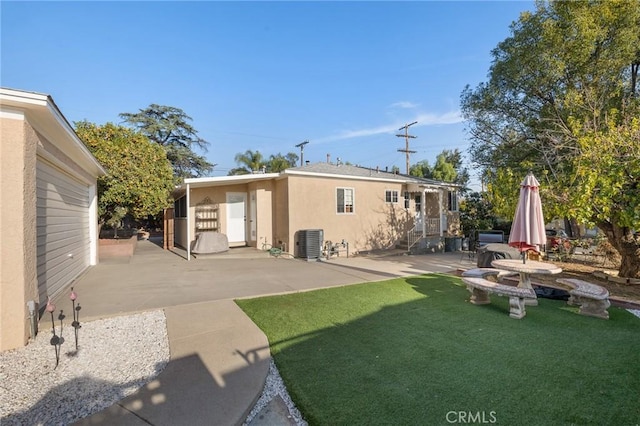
[219, 358]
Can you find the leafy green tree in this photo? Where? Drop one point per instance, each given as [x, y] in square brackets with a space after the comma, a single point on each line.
[169, 127]
[279, 162]
[462, 173]
[448, 167]
[476, 213]
[139, 177]
[443, 170]
[249, 162]
[562, 101]
[421, 169]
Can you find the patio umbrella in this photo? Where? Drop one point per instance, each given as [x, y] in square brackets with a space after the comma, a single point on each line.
[528, 229]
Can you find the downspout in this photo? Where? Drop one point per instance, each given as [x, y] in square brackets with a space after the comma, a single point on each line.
[423, 212]
[188, 194]
[440, 209]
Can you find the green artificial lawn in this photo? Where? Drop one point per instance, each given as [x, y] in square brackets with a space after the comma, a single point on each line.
[414, 351]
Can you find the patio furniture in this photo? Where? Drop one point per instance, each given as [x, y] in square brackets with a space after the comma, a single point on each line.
[525, 270]
[592, 299]
[480, 289]
[490, 252]
[487, 273]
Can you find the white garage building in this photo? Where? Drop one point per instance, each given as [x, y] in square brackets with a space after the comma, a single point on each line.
[48, 208]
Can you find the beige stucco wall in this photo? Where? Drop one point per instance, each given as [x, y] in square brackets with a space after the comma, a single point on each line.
[264, 191]
[280, 214]
[21, 148]
[290, 203]
[18, 274]
[374, 224]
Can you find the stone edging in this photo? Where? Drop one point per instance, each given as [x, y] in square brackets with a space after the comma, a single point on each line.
[609, 277]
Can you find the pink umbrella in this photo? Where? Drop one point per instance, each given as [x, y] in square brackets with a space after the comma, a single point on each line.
[528, 229]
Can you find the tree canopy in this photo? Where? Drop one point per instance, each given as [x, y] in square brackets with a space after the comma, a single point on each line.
[447, 168]
[253, 162]
[169, 127]
[139, 177]
[562, 101]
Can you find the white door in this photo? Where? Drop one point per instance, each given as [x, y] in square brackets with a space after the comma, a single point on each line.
[236, 217]
[63, 242]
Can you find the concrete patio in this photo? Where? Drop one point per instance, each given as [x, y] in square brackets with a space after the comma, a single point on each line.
[219, 358]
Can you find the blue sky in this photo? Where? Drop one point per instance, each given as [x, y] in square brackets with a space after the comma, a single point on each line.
[265, 75]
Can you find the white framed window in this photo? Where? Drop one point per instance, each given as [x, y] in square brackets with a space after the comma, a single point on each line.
[345, 200]
[418, 202]
[407, 200]
[391, 196]
[453, 201]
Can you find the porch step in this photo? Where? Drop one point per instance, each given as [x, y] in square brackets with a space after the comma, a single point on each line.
[403, 244]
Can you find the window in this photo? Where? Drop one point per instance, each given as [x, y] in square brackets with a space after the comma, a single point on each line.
[344, 198]
[453, 201]
[180, 207]
[407, 200]
[391, 196]
[418, 201]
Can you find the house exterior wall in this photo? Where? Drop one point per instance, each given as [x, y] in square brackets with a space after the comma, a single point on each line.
[280, 215]
[18, 275]
[374, 223]
[217, 195]
[264, 191]
[31, 131]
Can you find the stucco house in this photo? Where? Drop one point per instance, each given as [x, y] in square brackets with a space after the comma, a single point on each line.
[368, 208]
[48, 208]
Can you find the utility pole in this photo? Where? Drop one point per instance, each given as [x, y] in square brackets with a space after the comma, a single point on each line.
[406, 137]
[301, 146]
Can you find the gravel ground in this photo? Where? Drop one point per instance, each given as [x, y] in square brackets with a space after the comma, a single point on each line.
[273, 387]
[115, 357]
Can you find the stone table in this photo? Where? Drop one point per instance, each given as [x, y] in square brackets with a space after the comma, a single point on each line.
[531, 267]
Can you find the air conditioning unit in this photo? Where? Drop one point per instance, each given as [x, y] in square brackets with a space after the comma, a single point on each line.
[309, 244]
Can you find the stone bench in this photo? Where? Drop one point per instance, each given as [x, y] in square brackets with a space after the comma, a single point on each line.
[480, 289]
[488, 273]
[592, 299]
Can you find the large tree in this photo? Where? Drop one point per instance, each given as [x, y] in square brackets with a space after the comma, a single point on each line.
[139, 177]
[279, 162]
[562, 101]
[448, 168]
[248, 162]
[169, 127]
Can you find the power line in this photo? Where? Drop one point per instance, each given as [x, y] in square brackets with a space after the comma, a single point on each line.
[406, 137]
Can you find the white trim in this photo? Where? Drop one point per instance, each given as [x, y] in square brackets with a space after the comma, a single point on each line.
[93, 225]
[44, 116]
[11, 114]
[353, 200]
[397, 196]
[348, 177]
[188, 195]
[222, 180]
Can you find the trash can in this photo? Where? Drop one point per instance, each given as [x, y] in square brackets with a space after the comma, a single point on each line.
[453, 244]
[488, 253]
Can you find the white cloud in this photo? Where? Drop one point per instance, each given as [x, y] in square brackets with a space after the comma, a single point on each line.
[423, 119]
[404, 105]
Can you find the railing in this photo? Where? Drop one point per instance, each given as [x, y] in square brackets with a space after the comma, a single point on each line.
[433, 226]
[415, 234]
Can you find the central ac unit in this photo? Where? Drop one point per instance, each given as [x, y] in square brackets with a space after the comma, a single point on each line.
[309, 244]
